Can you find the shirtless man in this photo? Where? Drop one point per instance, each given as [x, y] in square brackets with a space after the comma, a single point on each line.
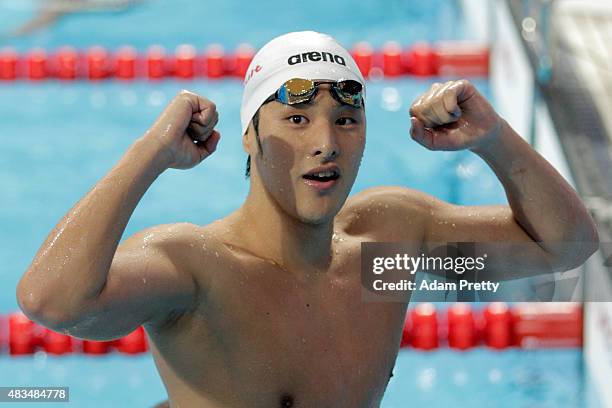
[263, 308]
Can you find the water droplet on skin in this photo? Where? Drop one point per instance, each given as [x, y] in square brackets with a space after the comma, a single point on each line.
[144, 280]
[303, 340]
[454, 224]
[216, 254]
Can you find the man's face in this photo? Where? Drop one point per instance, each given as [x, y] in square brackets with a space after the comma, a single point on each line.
[310, 154]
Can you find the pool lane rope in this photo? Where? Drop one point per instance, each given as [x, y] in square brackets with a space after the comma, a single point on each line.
[392, 60]
[497, 326]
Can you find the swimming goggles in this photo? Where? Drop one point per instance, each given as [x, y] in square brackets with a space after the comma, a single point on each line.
[300, 90]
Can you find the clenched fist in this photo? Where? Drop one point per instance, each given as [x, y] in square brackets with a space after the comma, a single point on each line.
[185, 130]
[453, 116]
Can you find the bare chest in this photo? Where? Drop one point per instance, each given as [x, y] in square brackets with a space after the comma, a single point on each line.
[265, 335]
[312, 339]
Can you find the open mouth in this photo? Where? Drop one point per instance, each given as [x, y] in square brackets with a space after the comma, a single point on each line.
[328, 175]
[322, 178]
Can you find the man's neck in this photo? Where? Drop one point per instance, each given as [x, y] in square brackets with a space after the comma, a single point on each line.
[271, 233]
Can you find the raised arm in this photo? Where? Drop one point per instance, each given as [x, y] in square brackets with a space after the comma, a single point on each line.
[544, 209]
[81, 281]
[544, 228]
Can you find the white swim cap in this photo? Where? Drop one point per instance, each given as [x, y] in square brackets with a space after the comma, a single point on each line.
[300, 54]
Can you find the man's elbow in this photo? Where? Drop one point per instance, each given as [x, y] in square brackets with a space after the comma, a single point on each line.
[576, 253]
[34, 307]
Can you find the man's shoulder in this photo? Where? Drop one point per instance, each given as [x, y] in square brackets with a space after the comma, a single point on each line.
[381, 212]
[386, 199]
[173, 232]
[174, 238]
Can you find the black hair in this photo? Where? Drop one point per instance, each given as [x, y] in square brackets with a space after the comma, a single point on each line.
[255, 120]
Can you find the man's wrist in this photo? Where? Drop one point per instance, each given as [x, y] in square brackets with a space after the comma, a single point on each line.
[151, 151]
[495, 142]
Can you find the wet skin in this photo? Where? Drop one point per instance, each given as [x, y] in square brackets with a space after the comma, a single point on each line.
[264, 307]
[275, 328]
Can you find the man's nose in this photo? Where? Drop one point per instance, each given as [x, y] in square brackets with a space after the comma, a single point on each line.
[325, 141]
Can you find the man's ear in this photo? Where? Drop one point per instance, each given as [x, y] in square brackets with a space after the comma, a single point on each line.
[246, 138]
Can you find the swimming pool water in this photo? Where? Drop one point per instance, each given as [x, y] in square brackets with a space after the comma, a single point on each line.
[172, 22]
[438, 379]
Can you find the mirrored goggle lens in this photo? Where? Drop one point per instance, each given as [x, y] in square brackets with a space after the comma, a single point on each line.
[349, 87]
[298, 90]
[349, 92]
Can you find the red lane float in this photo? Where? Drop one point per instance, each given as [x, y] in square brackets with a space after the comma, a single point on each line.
[133, 343]
[364, 57]
[57, 343]
[37, 64]
[66, 63]
[461, 59]
[125, 63]
[156, 62]
[98, 63]
[240, 61]
[540, 325]
[215, 61]
[498, 325]
[8, 64]
[461, 326]
[185, 61]
[420, 60]
[424, 327]
[96, 347]
[23, 334]
[391, 61]
[527, 325]
[530, 325]
[27, 337]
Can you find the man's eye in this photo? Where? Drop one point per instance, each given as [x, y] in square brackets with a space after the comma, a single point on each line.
[297, 119]
[345, 121]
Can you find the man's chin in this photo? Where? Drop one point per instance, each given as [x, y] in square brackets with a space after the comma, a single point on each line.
[319, 215]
